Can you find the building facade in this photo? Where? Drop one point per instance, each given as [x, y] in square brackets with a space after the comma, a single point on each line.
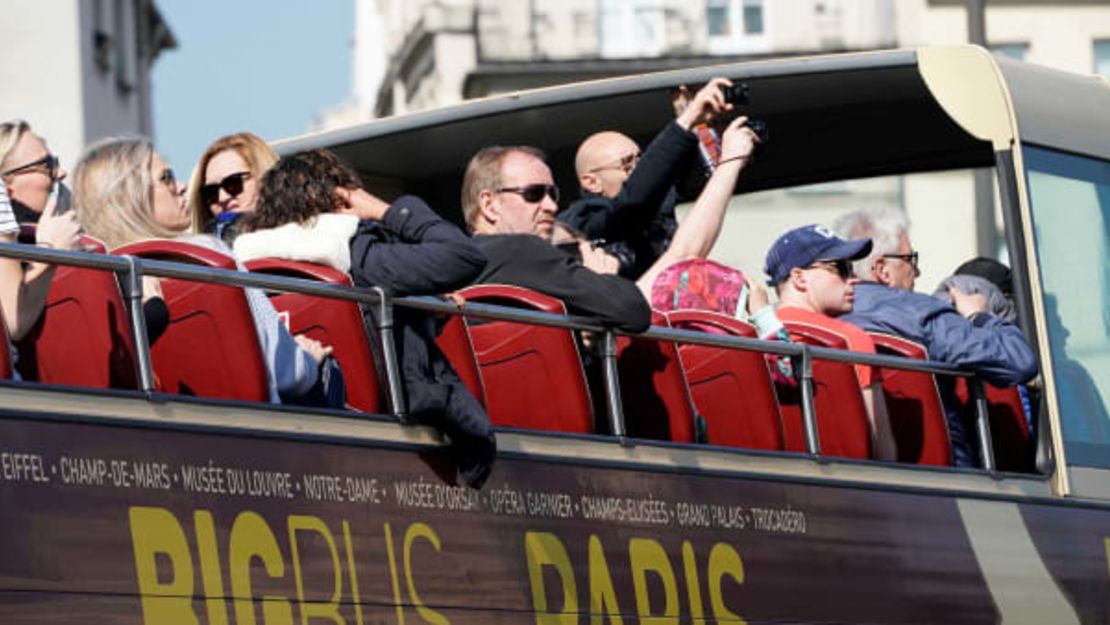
[78, 70]
[440, 52]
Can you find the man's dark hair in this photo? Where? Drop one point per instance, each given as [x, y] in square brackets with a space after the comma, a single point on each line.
[299, 187]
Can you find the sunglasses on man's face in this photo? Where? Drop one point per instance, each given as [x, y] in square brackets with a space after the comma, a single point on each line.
[841, 267]
[626, 164]
[49, 162]
[534, 193]
[232, 184]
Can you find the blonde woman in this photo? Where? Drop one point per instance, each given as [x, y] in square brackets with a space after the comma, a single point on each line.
[124, 192]
[224, 184]
[28, 172]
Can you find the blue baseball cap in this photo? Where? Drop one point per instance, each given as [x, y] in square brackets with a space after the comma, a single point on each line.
[801, 247]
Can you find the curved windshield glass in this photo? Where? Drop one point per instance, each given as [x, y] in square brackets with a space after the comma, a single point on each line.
[1070, 197]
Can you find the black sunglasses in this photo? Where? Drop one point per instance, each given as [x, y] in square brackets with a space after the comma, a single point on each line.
[841, 266]
[232, 184]
[168, 178]
[910, 258]
[50, 162]
[533, 193]
[626, 163]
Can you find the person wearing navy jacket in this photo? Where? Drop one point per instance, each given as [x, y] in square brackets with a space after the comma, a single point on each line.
[312, 207]
[964, 333]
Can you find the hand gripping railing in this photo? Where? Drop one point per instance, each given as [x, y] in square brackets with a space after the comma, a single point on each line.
[132, 270]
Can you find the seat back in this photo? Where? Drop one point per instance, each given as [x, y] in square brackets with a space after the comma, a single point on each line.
[1013, 444]
[654, 391]
[83, 337]
[454, 342]
[334, 322]
[842, 421]
[914, 406]
[732, 389]
[532, 375]
[211, 346]
[5, 354]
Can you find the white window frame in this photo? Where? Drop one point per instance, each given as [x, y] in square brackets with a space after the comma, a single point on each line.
[739, 41]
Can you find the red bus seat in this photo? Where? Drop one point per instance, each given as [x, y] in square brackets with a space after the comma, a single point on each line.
[654, 392]
[732, 388]
[914, 406]
[842, 422]
[211, 347]
[334, 322]
[83, 337]
[532, 375]
[454, 342]
[1012, 441]
[5, 354]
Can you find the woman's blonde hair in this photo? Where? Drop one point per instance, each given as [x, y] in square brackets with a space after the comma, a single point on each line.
[250, 147]
[112, 192]
[10, 132]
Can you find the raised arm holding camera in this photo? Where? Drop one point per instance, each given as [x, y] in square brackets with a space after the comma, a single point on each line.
[628, 198]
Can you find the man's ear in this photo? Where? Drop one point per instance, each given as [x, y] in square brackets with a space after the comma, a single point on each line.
[590, 182]
[880, 271]
[488, 209]
[797, 280]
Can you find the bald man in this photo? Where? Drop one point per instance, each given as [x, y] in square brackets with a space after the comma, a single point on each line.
[627, 198]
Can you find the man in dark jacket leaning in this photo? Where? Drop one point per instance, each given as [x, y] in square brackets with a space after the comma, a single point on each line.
[509, 201]
[627, 198]
[964, 334]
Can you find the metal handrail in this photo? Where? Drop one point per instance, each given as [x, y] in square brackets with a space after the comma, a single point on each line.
[134, 268]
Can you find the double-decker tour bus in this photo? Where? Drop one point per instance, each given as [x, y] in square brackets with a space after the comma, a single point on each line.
[152, 486]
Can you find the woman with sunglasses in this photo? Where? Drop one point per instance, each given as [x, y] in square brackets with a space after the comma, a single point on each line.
[224, 184]
[124, 192]
[27, 173]
[312, 207]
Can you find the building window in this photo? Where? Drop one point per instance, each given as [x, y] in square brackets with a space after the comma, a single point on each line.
[1102, 57]
[736, 26]
[1015, 51]
[753, 17]
[717, 18]
[632, 28]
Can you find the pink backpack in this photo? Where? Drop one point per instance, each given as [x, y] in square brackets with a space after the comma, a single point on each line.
[700, 284]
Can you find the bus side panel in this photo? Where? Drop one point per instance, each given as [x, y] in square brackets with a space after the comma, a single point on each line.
[183, 527]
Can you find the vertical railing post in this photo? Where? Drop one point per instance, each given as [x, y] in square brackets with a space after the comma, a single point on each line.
[982, 421]
[389, 355]
[809, 413]
[133, 289]
[612, 385]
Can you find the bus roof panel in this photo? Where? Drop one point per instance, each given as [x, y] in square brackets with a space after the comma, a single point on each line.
[1058, 109]
[830, 117]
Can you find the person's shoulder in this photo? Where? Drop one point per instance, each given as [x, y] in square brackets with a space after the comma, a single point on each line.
[585, 205]
[514, 243]
[857, 339]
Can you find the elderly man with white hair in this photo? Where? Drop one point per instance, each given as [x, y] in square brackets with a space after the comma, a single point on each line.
[966, 335]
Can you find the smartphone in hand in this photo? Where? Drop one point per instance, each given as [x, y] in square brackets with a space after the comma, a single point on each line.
[64, 198]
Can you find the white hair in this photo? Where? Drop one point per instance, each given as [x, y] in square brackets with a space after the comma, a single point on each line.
[884, 226]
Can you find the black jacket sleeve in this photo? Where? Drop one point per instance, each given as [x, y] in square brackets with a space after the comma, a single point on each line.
[641, 195]
[413, 251]
[529, 261]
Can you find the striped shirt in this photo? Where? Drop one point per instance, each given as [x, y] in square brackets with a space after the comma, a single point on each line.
[8, 224]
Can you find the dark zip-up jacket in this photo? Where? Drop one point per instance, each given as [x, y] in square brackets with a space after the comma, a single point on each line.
[639, 222]
[412, 251]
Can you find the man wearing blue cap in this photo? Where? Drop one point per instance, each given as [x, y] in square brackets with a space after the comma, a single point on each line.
[811, 270]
